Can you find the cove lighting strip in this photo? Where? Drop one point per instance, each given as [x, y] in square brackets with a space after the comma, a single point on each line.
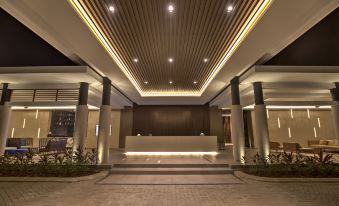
[241, 35]
[289, 107]
[171, 153]
[48, 108]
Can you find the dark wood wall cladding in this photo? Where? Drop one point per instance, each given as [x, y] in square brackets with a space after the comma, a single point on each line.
[216, 127]
[126, 125]
[170, 120]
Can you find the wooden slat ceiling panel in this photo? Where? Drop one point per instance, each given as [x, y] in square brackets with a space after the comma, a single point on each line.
[145, 30]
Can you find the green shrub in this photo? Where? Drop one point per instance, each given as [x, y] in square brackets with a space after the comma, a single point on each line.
[65, 164]
[293, 165]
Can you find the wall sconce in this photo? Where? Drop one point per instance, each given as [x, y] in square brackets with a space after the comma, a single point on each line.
[96, 130]
[279, 122]
[36, 114]
[12, 135]
[315, 132]
[38, 133]
[292, 113]
[319, 122]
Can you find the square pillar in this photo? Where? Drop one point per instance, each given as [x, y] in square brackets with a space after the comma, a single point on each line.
[81, 119]
[237, 123]
[261, 125]
[104, 123]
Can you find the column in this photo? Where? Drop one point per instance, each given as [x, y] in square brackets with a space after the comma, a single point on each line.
[261, 125]
[5, 116]
[335, 109]
[81, 119]
[104, 123]
[237, 123]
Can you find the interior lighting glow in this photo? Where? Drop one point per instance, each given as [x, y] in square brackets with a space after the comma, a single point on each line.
[24, 123]
[308, 114]
[170, 8]
[289, 133]
[36, 114]
[315, 132]
[290, 107]
[319, 122]
[12, 135]
[171, 153]
[279, 122]
[49, 107]
[230, 9]
[292, 114]
[111, 8]
[38, 133]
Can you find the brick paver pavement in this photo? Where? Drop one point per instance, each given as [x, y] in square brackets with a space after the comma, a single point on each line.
[94, 193]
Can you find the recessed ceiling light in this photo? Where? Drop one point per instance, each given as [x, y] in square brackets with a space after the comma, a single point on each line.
[170, 82]
[170, 60]
[170, 8]
[145, 82]
[195, 82]
[111, 8]
[230, 9]
[135, 60]
[205, 60]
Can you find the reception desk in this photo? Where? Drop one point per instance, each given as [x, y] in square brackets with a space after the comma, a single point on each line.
[171, 144]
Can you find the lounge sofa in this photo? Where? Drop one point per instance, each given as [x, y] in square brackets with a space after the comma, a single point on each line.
[327, 145]
[18, 145]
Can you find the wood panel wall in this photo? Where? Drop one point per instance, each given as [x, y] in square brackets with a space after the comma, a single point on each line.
[32, 125]
[126, 125]
[216, 125]
[171, 120]
[301, 126]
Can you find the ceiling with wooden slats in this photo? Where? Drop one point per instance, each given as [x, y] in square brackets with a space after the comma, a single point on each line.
[198, 35]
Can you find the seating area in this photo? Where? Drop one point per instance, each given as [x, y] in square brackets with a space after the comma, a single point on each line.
[18, 145]
[330, 146]
[46, 145]
[52, 145]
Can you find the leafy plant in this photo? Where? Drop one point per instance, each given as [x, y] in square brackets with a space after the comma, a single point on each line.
[293, 164]
[68, 163]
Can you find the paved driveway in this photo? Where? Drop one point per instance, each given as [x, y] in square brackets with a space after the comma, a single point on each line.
[95, 193]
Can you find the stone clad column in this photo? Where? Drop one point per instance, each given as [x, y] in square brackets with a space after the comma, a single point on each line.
[261, 125]
[335, 109]
[237, 122]
[5, 116]
[104, 123]
[81, 118]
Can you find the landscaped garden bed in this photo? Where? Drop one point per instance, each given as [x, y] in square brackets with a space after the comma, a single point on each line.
[289, 165]
[65, 164]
